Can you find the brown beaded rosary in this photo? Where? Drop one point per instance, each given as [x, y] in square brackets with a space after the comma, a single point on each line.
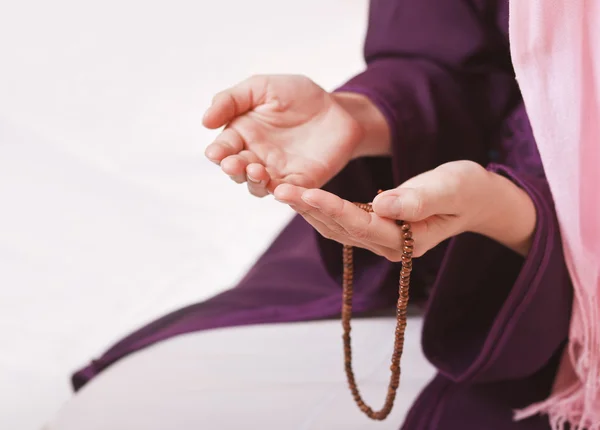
[401, 311]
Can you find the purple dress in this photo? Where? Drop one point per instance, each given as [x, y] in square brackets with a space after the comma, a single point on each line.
[495, 323]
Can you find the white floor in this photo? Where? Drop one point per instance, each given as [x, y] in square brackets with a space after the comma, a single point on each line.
[269, 377]
[109, 214]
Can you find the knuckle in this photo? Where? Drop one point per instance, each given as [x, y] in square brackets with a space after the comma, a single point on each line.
[224, 143]
[226, 135]
[359, 233]
[463, 180]
[453, 178]
[224, 96]
[258, 83]
[218, 96]
[337, 230]
[334, 213]
[470, 167]
[462, 172]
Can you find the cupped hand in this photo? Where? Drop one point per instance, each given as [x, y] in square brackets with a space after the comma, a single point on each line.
[280, 130]
[438, 204]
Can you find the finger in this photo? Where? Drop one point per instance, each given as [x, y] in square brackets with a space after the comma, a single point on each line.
[293, 196]
[229, 142]
[342, 238]
[235, 101]
[428, 194]
[257, 173]
[326, 232]
[258, 178]
[361, 225]
[292, 179]
[289, 194]
[235, 165]
[385, 239]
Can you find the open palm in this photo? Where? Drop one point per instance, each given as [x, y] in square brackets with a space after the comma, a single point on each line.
[280, 129]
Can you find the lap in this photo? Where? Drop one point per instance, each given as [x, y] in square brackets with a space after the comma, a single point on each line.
[287, 376]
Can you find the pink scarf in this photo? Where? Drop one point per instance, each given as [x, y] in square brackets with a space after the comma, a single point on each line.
[555, 48]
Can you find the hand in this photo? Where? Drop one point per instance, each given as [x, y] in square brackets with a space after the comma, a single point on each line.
[454, 198]
[287, 129]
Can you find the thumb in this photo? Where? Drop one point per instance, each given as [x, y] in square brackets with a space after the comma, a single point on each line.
[235, 101]
[425, 195]
[401, 204]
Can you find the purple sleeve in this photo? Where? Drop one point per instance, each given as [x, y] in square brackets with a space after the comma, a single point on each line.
[494, 315]
[440, 72]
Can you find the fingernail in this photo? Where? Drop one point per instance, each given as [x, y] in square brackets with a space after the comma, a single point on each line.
[391, 203]
[251, 179]
[410, 205]
[396, 205]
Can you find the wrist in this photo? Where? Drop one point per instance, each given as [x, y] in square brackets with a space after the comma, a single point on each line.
[375, 138]
[508, 215]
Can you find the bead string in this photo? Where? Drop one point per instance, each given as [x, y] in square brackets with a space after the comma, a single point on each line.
[401, 313]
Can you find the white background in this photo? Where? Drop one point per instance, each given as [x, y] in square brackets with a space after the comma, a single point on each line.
[109, 214]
